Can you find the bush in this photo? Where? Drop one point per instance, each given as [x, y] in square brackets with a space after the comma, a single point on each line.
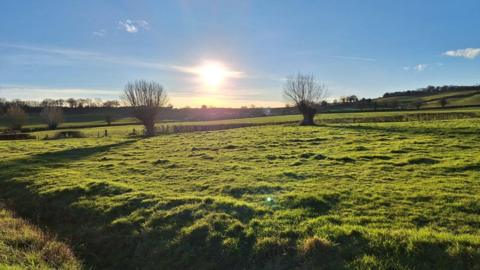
[52, 116]
[68, 134]
[109, 119]
[16, 117]
[16, 136]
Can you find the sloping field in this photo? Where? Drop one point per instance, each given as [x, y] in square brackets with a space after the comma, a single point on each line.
[367, 195]
[454, 98]
[23, 246]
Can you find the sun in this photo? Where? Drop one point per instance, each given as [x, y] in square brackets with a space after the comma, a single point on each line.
[213, 74]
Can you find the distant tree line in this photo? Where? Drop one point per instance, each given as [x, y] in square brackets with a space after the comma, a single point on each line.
[61, 103]
[429, 90]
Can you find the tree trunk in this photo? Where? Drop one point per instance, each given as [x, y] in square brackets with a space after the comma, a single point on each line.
[308, 115]
[150, 129]
[308, 119]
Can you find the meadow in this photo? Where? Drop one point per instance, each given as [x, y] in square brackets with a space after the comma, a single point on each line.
[24, 246]
[340, 195]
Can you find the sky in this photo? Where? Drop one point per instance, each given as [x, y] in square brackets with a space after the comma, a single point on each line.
[234, 53]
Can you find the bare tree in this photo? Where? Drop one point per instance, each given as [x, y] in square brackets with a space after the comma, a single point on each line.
[72, 102]
[147, 98]
[306, 93]
[109, 118]
[52, 116]
[16, 117]
[111, 104]
[3, 105]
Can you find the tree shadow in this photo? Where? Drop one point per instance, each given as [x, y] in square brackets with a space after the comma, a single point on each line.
[59, 210]
[105, 236]
[432, 131]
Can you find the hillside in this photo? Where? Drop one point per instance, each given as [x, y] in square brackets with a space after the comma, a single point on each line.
[453, 99]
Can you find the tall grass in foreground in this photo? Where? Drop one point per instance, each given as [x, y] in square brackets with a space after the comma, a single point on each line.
[24, 246]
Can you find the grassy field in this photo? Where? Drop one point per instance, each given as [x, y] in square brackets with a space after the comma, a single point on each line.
[71, 121]
[23, 246]
[399, 195]
[125, 130]
[97, 120]
[454, 98]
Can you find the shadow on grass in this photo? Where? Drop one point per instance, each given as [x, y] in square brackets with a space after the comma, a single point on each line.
[87, 228]
[432, 131]
[51, 160]
[163, 233]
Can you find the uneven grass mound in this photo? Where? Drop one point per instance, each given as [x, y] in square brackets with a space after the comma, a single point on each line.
[23, 246]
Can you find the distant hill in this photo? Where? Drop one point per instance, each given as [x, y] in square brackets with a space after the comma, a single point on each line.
[433, 97]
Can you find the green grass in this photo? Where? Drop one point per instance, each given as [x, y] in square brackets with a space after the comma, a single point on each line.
[454, 98]
[355, 196]
[70, 121]
[124, 130]
[23, 246]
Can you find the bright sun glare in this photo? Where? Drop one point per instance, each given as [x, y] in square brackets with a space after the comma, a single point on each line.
[213, 74]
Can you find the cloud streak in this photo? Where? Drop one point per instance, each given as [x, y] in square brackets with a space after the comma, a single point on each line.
[355, 58]
[469, 53]
[39, 93]
[100, 33]
[126, 61]
[418, 68]
[133, 26]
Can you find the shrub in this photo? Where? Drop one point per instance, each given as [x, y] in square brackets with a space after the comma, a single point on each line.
[52, 116]
[109, 119]
[17, 136]
[68, 134]
[16, 117]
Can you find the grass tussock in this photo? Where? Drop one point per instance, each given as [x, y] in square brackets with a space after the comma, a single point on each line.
[24, 246]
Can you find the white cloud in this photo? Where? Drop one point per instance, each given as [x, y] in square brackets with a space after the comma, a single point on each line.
[406, 68]
[100, 33]
[469, 53]
[133, 26]
[420, 67]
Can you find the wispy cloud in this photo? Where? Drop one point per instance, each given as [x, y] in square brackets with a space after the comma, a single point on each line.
[209, 65]
[469, 53]
[81, 55]
[51, 50]
[133, 26]
[100, 33]
[419, 67]
[39, 93]
[355, 58]
[344, 57]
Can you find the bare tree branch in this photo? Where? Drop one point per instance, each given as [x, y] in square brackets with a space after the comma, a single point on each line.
[306, 93]
[147, 98]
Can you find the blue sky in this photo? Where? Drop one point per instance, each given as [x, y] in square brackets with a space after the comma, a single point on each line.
[92, 48]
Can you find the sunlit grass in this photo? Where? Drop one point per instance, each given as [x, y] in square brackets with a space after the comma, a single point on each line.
[364, 195]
